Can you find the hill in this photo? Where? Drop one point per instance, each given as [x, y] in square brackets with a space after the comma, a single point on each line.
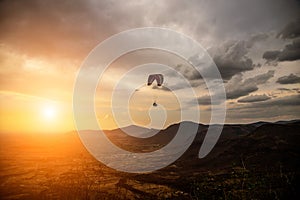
[249, 161]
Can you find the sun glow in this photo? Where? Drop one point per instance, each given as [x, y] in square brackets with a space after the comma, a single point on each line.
[49, 112]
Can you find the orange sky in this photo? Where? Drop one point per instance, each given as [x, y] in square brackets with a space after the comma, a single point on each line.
[42, 46]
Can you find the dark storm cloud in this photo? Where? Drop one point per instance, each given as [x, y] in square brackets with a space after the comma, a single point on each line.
[230, 19]
[290, 52]
[73, 28]
[231, 57]
[271, 55]
[291, 30]
[290, 79]
[254, 98]
[238, 87]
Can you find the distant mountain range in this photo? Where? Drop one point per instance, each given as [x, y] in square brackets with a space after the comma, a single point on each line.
[142, 129]
[258, 144]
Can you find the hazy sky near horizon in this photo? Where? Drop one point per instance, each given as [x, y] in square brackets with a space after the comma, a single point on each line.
[255, 45]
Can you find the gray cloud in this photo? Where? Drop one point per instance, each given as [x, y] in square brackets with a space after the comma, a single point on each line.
[254, 98]
[188, 72]
[207, 100]
[283, 89]
[74, 28]
[70, 29]
[290, 52]
[204, 100]
[238, 87]
[271, 55]
[231, 58]
[291, 100]
[290, 79]
[296, 90]
[291, 30]
[289, 108]
[293, 90]
[256, 38]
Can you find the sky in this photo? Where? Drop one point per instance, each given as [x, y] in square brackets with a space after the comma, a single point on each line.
[255, 45]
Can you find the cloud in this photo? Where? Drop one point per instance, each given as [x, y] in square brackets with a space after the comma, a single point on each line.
[291, 30]
[238, 87]
[74, 28]
[290, 52]
[256, 38]
[189, 72]
[207, 100]
[271, 55]
[254, 98]
[204, 100]
[231, 58]
[290, 79]
[65, 29]
[283, 89]
[71, 29]
[266, 110]
[291, 100]
[287, 90]
[296, 90]
[183, 72]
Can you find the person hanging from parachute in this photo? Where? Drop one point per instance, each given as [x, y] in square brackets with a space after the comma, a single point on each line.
[159, 78]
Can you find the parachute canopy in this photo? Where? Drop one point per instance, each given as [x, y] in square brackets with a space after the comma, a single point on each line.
[158, 77]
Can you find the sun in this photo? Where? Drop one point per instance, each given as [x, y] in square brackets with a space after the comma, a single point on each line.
[49, 112]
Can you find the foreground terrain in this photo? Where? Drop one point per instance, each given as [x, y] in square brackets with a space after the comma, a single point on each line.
[253, 161]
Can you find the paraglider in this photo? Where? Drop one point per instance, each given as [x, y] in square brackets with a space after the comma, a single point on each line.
[159, 78]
